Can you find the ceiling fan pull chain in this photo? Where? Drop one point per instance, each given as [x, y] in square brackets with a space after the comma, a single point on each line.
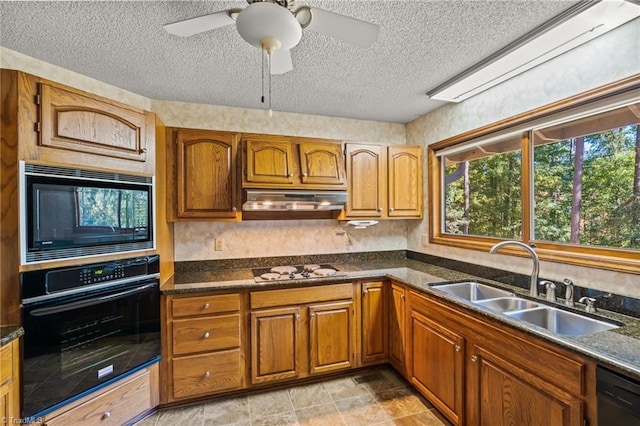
[270, 111]
[262, 98]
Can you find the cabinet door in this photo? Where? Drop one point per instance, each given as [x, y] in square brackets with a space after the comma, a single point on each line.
[437, 357]
[321, 163]
[397, 327]
[331, 337]
[374, 322]
[206, 174]
[269, 161]
[78, 121]
[501, 393]
[405, 181]
[367, 177]
[275, 344]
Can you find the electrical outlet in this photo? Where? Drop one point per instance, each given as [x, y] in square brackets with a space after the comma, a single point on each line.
[219, 244]
[425, 240]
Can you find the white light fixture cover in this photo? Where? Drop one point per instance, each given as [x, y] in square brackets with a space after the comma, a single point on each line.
[577, 26]
[265, 20]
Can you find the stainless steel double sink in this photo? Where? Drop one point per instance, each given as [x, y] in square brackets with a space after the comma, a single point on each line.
[506, 302]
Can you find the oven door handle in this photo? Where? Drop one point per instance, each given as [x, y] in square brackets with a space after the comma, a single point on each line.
[85, 303]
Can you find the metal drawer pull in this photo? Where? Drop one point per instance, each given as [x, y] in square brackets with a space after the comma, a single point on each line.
[106, 415]
[474, 358]
[207, 374]
[457, 348]
[206, 306]
[206, 335]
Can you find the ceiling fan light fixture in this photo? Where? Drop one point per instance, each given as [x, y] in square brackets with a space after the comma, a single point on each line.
[264, 20]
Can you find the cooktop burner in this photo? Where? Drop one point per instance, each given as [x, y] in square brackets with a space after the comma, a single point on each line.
[297, 272]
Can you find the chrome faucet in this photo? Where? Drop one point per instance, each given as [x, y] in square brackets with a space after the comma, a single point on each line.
[533, 291]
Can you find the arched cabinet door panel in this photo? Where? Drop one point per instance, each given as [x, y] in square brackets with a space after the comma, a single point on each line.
[206, 174]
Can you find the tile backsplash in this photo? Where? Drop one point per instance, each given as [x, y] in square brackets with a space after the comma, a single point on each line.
[196, 240]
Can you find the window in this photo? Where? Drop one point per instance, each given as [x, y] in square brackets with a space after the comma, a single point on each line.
[482, 189]
[566, 180]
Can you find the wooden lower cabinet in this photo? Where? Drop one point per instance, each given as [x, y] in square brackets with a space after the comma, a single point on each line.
[275, 344]
[504, 394]
[9, 381]
[117, 404]
[397, 327]
[374, 324]
[203, 350]
[331, 337]
[437, 368]
[297, 333]
[479, 372]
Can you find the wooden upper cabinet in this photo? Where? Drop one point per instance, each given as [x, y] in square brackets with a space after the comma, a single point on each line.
[321, 163]
[73, 120]
[277, 162]
[405, 181]
[367, 172]
[206, 174]
[269, 161]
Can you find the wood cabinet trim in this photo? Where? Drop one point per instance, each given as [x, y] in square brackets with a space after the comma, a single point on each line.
[299, 296]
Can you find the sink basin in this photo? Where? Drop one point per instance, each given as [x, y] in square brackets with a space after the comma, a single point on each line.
[472, 291]
[561, 322]
[506, 304]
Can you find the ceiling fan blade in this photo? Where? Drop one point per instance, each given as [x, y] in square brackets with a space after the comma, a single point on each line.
[350, 30]
[281, 62]
[193, 26]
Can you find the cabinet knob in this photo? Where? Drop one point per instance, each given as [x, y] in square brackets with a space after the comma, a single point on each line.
[402, 296]
[143, 150]
[457, 348]
[206, 335]
[313, 315]
[474, 358]
[297, 316]
[390, 209]
[206, 374]
[206, 306]
[234, 209]
[365, 291]
[106, 415]
[380, 209]
[304, 174]
[290, 175]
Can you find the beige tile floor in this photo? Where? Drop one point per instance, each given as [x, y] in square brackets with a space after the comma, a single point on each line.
[374, 397]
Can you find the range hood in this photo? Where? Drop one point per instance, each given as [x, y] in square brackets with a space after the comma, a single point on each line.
[293, 200]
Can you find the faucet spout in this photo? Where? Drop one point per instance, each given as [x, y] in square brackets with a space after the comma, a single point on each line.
[533, 291]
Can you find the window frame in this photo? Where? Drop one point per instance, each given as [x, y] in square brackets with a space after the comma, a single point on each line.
[625, 260]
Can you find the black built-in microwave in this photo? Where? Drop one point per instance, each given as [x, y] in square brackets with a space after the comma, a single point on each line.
[72, 213]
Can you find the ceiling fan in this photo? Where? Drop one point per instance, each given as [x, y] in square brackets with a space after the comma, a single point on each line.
[273, 25]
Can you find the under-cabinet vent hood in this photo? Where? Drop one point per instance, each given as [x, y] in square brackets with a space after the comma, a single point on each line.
[293, 200]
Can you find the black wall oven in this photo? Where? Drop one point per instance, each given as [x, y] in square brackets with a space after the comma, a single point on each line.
[71, 213]
[86, 327]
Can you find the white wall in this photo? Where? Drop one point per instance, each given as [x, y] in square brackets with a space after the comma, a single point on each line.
[614, 56]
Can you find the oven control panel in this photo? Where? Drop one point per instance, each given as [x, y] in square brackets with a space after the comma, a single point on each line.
[48, 281]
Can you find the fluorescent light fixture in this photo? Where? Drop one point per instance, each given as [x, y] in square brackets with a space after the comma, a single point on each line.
[583, 22]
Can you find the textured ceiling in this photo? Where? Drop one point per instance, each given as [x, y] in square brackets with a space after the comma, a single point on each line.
[421, 44]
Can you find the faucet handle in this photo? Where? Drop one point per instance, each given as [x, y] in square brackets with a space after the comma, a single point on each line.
[569, 292]
[591, 304]
[551, 290]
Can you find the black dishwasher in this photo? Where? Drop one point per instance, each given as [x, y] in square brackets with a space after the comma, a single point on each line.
[618, 399]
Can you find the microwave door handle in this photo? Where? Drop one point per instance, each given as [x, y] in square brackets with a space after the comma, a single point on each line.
[93, 301]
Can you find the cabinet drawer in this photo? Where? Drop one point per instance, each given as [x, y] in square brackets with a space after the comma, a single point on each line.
[204, 374]
[300, 296]
[206, 334]
[6, 364]
[115, 407]
[205, 305]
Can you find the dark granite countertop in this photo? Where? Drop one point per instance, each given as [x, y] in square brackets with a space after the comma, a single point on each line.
[618, 349]
[8, 333]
